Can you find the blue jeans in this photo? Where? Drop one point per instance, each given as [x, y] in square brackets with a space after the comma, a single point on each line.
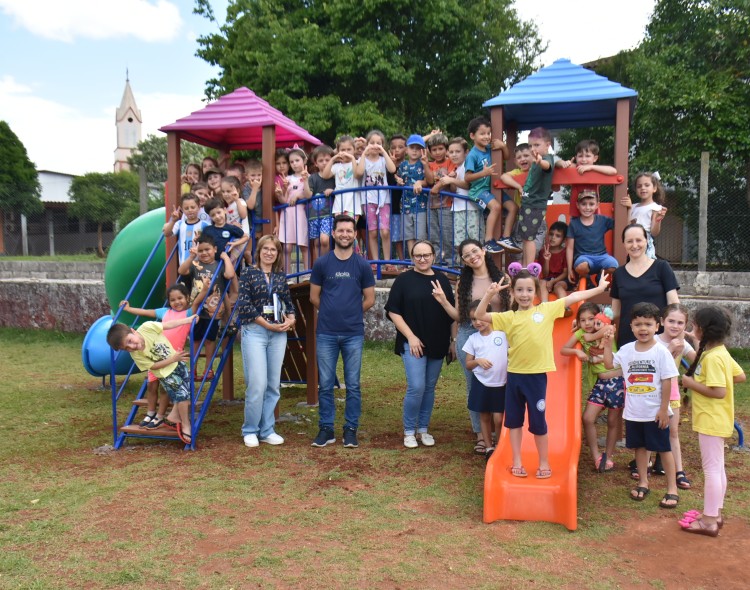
[464, 331]
[328, 347]
[262, 356]
[421, 377]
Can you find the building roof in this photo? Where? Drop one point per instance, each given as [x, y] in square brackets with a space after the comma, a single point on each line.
[128, 104]
[562, 95]
[236, 121]
[55, 186]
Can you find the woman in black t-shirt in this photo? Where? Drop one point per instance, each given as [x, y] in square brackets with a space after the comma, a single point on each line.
[417, 305]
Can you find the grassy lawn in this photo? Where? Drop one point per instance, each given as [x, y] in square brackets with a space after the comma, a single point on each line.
[381, 516]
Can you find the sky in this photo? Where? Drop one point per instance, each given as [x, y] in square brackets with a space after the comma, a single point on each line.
[64, 65]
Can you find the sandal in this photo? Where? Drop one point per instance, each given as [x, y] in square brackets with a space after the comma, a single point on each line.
[543, 473]
[603, 464]
[658, 469]
[693, 515]
[682, 481]
[155, 423]
[479, 447]
[518, 471]
[169, 424]
[488, 453]
[698, 527]
[640, 494]
[634, 471]
[147, 420]
[665, 501]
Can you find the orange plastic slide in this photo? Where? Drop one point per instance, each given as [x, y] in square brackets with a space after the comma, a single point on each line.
[507, 497]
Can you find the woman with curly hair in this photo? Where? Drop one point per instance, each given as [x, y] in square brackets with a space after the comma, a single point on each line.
[478, 272]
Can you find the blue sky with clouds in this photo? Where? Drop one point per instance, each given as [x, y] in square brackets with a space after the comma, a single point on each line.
[63, 68]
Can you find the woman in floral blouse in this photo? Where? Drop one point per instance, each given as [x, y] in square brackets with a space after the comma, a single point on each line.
[267, 314]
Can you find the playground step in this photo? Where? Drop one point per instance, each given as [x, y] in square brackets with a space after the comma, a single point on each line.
[137, 430]
[143, 402]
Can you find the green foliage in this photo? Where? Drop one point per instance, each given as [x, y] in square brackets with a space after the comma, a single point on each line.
[102, 197]
[151, 153]
[19, 181]
[692, 73]
[350, 66]
[133, 209]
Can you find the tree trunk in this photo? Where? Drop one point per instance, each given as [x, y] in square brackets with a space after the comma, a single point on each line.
[100, 241]
[747, 181]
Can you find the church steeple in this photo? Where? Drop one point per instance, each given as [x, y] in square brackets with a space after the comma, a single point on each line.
[128, 121]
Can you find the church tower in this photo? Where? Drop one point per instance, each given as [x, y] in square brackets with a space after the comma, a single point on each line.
[128, 121]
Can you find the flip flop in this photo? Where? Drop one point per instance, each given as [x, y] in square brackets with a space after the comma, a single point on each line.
[641, 494]
[169, 424]
[543, 473]
[184, 437]
[663, 503]
[603, 464]
[518, 471]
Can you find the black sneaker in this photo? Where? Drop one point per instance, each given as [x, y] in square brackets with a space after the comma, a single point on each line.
[350, 438]
[325, 437]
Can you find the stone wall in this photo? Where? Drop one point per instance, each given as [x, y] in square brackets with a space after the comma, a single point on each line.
[52, 296]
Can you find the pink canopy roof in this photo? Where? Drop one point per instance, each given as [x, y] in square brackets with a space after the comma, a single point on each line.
[236, 122]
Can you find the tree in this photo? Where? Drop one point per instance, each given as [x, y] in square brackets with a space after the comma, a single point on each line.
[19, 182]
[151, 153]
[350, 66]
[692, 72]
[102, 197]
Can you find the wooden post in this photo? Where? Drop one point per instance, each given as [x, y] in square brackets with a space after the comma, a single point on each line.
[511, 140]
[227, 377]
[172, 196]
[497, 124]
[268, 154]
[622, 130]
[703, 214]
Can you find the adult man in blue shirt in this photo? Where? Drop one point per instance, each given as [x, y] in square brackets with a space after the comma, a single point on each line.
[342, 288]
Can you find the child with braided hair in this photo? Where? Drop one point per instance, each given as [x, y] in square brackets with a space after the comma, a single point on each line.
[711, 378]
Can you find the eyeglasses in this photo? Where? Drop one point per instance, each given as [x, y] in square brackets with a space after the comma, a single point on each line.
[471, 254]
[422, 256]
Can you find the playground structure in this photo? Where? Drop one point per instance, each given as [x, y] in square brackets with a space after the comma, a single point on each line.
[241, 120]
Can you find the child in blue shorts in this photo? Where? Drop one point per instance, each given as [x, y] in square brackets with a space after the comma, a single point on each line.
[530, 355]
[648, 369]
[586, 252]
[608, 391]
[319, 218]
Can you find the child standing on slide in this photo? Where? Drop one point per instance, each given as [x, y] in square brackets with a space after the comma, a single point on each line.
[711, 377]
[179, 308]
[530, 355]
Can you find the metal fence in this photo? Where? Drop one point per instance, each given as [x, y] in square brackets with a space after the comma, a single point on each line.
[51, 232]
[707, 227]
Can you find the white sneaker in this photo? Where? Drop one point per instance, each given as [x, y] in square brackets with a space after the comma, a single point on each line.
[251, 440]
[427, 439]
[410, 441]
[273, 439]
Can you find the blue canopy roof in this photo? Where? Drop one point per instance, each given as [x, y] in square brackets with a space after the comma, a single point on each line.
[563, 95]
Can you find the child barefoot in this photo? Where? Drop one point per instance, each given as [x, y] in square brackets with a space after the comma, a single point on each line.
[151, 351]
[712, 377]
[608, 391]
[675, 318]
[487, 357]
[530, 355]
[178, 297]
